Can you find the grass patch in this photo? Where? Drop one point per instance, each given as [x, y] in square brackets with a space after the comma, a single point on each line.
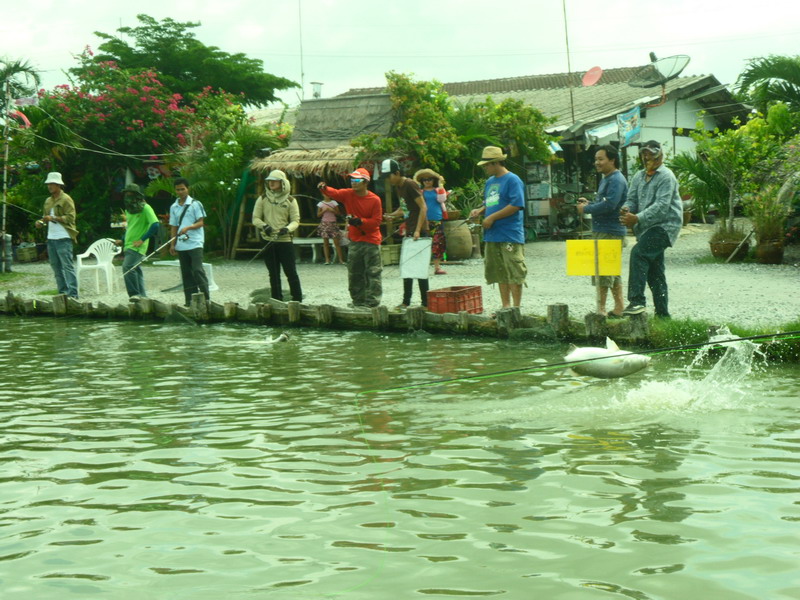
[13, 276]
[666, 333]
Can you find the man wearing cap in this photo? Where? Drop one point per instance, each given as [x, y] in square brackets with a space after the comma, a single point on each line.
[364, 213]
[142, 224]
[416, 223]
[59, 215]
[655, 212]
[504, 233]
[187, 222]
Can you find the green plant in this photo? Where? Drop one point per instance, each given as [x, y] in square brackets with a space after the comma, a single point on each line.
[728, 231]
[768, 214]
[467, 197]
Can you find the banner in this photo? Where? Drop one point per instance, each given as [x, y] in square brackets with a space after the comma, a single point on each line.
[630, 126]
[32, 101]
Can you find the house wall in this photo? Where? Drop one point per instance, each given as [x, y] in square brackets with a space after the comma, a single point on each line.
[660, 122]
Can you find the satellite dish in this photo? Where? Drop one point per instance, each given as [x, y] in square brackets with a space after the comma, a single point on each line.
[659, 71]
[592, 76]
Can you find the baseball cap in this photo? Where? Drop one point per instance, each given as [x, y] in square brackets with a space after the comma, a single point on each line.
[360, 174]
[388, 167]
[653, 146]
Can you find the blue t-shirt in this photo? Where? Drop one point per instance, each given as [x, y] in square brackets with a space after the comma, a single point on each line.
[194, 212]
[611, 195]
[498, 193]
[433, 205]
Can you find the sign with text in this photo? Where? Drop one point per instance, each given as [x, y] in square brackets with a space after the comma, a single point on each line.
[594, 257]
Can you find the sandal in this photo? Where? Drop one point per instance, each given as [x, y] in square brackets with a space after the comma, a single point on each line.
[440, 272]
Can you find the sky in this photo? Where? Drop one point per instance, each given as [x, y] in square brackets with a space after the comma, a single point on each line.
[352, 43]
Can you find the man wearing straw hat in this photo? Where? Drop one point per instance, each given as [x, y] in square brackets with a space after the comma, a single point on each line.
[142, 224]
[60, 216]
[504, 233]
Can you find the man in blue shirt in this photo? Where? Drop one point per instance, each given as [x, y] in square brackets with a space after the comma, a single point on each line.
[187, 219]
[504, 233]
[655, 212]
[611, 195]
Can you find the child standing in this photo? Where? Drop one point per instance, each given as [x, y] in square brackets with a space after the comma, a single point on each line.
[328, 229]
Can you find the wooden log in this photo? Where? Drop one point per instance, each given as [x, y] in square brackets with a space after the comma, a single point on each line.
[558, 319]
[596, 326]
[293, 312]
[216, 311]
[324, 315]
[380, 316]
[247, 314]
[230, 311]
[103, 310]
[60, 305]
[415, 317]
[145, 308]
[199, 306]
[507, 320]
[160, 310]
[639, 327]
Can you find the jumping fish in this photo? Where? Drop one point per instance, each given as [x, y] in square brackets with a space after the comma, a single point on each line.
[605, 363]
[284, 337]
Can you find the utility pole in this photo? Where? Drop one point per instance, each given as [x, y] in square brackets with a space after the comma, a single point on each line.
[6, 134]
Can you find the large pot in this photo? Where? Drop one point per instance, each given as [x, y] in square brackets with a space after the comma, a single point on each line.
[725, 249]
[769, 252]
[458, 240]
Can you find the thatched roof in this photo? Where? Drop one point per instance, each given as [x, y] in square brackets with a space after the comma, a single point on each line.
[301, 163]
[321, 138]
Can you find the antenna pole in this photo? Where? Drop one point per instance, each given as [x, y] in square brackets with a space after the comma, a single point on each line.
[569, 64]
[302, 74]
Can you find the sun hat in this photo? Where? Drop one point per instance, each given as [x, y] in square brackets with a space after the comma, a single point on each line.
[428, 173]
[360, 174]
[388, 167]
[54, 177]
[491, 154]
[132, 188]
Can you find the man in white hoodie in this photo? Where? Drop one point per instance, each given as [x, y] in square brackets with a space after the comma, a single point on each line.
[276, 215]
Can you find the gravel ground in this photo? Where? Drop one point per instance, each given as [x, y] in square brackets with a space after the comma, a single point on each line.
[745, 294]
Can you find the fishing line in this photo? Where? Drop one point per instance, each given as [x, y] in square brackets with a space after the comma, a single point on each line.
[21, 208]
[562, 364]
[149, 255]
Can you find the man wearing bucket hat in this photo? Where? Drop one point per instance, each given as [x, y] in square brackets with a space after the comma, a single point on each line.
[59, 215]
[364, 213]
[655, 212]
[504, 234]
[142, 224]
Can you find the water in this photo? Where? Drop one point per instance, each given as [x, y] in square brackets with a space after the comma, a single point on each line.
[172, 462]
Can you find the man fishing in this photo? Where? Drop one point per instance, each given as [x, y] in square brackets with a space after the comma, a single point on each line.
[60, 216]
[142, 224]
[187, 220]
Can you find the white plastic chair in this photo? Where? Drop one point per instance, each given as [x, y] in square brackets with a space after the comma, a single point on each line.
[103, 251]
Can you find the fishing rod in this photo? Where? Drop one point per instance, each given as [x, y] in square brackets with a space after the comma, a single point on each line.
[150, 255]
[664, 350]
[35, 214]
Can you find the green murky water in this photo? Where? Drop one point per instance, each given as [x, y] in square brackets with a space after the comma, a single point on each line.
[171, 462]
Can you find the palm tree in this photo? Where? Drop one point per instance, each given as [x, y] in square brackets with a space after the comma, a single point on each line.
[18, 79]
[771, 79]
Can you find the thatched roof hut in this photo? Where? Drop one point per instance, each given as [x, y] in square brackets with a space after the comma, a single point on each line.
[321, 140]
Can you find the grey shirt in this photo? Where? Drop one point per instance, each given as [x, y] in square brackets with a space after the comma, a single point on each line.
[657, 203]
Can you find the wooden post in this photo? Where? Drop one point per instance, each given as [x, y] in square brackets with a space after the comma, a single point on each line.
[199, 306]
[160, 309]
[462, 325]
[507, 320]
[640, 326]
[60, 305]
[596, 326]
[263, 312]
[293, 309]
[380, 316]
[415, 316]
[558, 319]
[324, 316]
[230, 311]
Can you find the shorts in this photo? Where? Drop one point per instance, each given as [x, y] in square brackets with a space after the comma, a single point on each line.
[505, 263]
[608, 281]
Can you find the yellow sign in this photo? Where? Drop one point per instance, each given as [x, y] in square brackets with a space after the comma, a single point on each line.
[594, 257]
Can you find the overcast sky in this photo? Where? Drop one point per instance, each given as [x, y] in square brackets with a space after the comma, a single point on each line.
[352, 43]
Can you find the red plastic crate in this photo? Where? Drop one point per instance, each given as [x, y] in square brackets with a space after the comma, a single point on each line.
[455, 299]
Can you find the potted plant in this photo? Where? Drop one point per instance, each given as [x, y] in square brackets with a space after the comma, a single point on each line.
[768, 211]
